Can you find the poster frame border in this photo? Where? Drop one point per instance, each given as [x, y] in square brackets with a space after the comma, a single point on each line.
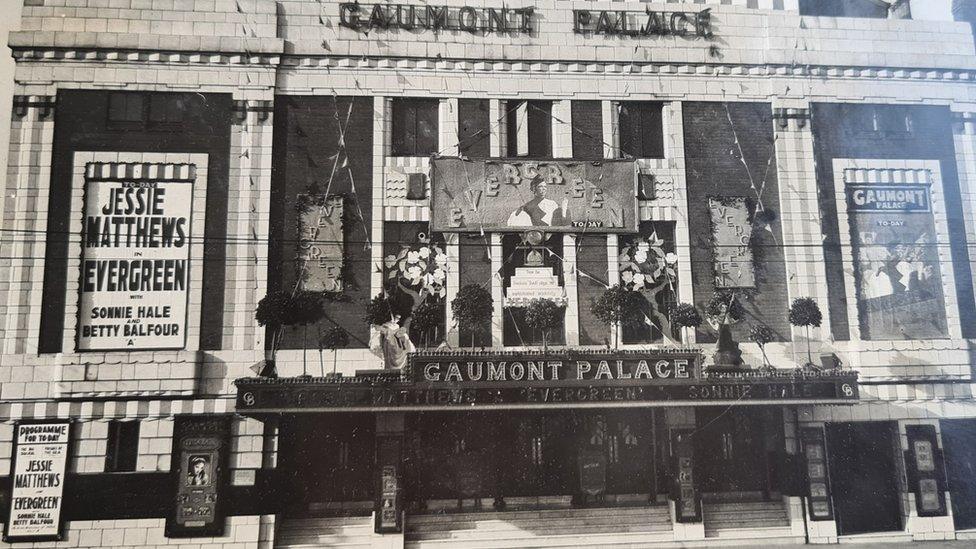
[189, 261]
[570, 230]
[60, 536]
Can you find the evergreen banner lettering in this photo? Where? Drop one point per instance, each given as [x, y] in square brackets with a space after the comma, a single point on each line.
[135, 267]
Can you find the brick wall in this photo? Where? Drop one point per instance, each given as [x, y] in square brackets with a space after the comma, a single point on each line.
[713, 168]
[81, 125]
[306, 142]
[844, 131]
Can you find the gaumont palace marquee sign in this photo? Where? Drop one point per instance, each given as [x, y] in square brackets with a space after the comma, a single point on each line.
[454, 379]
[486, 20]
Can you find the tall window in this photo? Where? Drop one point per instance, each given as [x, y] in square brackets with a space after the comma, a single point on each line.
[123, 447]
[474, 128]
[875, 9]
[415, 126]
[145, 111]
[528, 128]
[641, 129]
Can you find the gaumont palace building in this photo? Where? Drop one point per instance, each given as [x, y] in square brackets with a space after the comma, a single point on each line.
[488, 274]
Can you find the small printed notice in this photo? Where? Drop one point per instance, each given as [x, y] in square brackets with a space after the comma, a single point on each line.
[731, 233]
[135, 269]
[36, 499]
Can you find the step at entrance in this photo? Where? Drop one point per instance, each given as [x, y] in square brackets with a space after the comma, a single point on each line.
[337, 532]
[597, 527]
[759, 518]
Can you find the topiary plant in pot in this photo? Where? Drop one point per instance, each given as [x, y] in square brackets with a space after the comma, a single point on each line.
[471, 307]
[543, 315]
[618, 306]
[686, 316]
[804, 312]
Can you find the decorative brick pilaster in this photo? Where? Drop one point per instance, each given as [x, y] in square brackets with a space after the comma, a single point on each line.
[24, 222]
[802, 233]
[248, 204]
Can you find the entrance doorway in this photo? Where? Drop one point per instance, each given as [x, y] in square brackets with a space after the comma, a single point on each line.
[861, 459]
[730, 446]
[959, 443]
[326, 461]
[528, 454]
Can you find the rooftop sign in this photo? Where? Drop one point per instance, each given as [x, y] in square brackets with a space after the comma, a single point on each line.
[367, 17]
[565, 378]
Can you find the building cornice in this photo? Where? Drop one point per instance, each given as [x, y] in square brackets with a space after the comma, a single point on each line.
[467, 66]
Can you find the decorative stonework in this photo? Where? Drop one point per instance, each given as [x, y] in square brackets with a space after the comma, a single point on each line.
[791, 119]
[44, 103]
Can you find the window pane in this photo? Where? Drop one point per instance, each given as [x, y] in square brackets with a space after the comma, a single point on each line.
[540, 129]
[473, 128]
[587, 130]
[123, 446]
[125, 107]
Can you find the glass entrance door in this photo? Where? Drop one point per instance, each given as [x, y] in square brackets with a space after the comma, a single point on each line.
[730, 450]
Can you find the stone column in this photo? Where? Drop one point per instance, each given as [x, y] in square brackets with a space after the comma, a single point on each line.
[247, 223]
[452, 242]
[811, 442]
[24, 215]
[800, 215]
[497, 291]
[448, 127]
[685, 498]
[389, 498]
[570, 274]
[923, 467]
[964, 139]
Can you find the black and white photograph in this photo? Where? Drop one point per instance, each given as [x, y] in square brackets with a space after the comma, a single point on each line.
[487, 274]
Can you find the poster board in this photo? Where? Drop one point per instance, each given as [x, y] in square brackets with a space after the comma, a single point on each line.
[508, 195]
[820, 505]
[41, 453]
[200, 454]
[731, 238]
[897, 269]
[320, 243]
[135, 265]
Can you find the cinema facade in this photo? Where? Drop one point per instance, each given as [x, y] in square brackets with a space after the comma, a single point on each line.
[174, 162]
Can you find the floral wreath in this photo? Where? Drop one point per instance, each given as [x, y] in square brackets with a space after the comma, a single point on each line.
[419, 269]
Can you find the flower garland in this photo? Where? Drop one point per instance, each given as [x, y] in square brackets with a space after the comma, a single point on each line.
[644, 263]
[419, 269]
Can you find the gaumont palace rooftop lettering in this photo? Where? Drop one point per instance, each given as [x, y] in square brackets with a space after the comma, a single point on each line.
[409, 17]
[366, 17]
[643, 23]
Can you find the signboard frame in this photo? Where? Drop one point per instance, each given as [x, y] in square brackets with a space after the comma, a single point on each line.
[916, 476]
[88, 179]
[437, 209]
[815, 436]
[217, 427]
[59, 536]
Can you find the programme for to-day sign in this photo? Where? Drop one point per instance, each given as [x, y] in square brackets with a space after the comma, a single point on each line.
[36, 497]
[135, 267]
[520, 195]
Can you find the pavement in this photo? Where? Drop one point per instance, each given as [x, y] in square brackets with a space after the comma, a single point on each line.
[969, 544]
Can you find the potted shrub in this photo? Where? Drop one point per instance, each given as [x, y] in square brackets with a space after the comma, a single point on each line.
[471, 306]
[279, 309]
[760, 334]
[686, 316]
[618, 306]
[542, 315]
[804, 312]
[426, 319]
[334, 339]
